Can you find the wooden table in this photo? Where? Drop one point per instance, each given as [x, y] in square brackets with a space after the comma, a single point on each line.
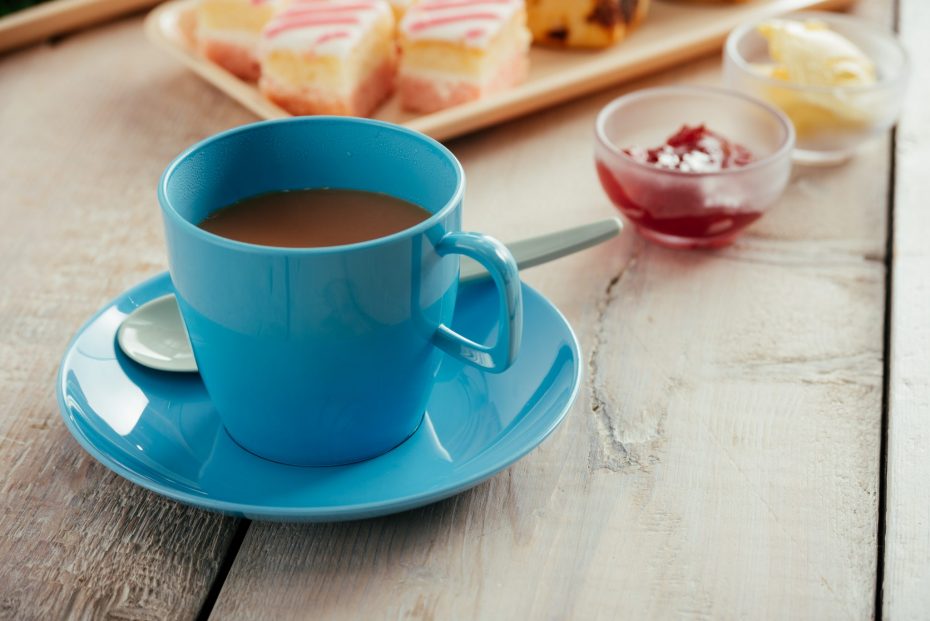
[752, 439]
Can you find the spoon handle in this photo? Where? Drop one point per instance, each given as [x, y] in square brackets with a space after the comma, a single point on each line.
[536, 250]
[154, 336]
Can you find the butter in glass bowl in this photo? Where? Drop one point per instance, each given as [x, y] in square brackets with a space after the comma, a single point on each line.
[839, 79]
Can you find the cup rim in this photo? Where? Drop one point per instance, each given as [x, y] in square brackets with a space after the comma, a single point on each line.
[169, 209]
[901, 71]
[783, 150]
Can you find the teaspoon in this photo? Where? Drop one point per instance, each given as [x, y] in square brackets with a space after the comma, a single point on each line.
[154, 334]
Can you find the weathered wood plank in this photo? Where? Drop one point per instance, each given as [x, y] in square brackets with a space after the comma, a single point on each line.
[85, 128]
[906, 588]
[706, 471]
[723, 459]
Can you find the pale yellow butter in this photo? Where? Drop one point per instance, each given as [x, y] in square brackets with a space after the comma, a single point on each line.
[809, 53]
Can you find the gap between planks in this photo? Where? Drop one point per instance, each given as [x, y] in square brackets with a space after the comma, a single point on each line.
[242, 528]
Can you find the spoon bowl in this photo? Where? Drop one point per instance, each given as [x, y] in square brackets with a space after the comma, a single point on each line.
[154, 336]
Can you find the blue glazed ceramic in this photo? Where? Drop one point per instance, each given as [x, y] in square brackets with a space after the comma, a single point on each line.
[324, 356]
[161, 431]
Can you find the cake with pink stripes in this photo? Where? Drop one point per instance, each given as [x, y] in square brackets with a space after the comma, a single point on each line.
[329, 56]
[454, 51]
[228, 32]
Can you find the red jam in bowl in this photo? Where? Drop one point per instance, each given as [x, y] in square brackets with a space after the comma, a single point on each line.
[676, 208]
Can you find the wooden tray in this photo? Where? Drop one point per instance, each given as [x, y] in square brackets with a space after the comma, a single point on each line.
[50, 18]
[671, 34]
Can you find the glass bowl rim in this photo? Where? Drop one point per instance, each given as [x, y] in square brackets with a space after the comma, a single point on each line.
[886, 82]
[782, 152]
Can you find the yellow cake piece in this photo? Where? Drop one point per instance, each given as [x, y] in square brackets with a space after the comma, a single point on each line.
[329, 56]
[455, 51]
[583, 23]
[228, 32]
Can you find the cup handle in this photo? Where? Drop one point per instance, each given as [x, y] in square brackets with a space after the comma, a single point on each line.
[499, 263]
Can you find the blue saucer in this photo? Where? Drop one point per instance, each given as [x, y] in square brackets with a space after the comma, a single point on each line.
[160, 431]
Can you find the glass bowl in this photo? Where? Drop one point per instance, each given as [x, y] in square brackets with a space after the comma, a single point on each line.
[830, 121]
[692, 209]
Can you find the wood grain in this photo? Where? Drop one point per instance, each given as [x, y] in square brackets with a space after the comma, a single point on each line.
[85, 129]
[906, 588]
[672, 34]
[723, 460]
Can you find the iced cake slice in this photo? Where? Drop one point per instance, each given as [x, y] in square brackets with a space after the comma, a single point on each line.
[454, 51]
[329, 56]
[228, 32]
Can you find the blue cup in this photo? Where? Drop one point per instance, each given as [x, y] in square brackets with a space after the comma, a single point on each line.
[327, 356]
